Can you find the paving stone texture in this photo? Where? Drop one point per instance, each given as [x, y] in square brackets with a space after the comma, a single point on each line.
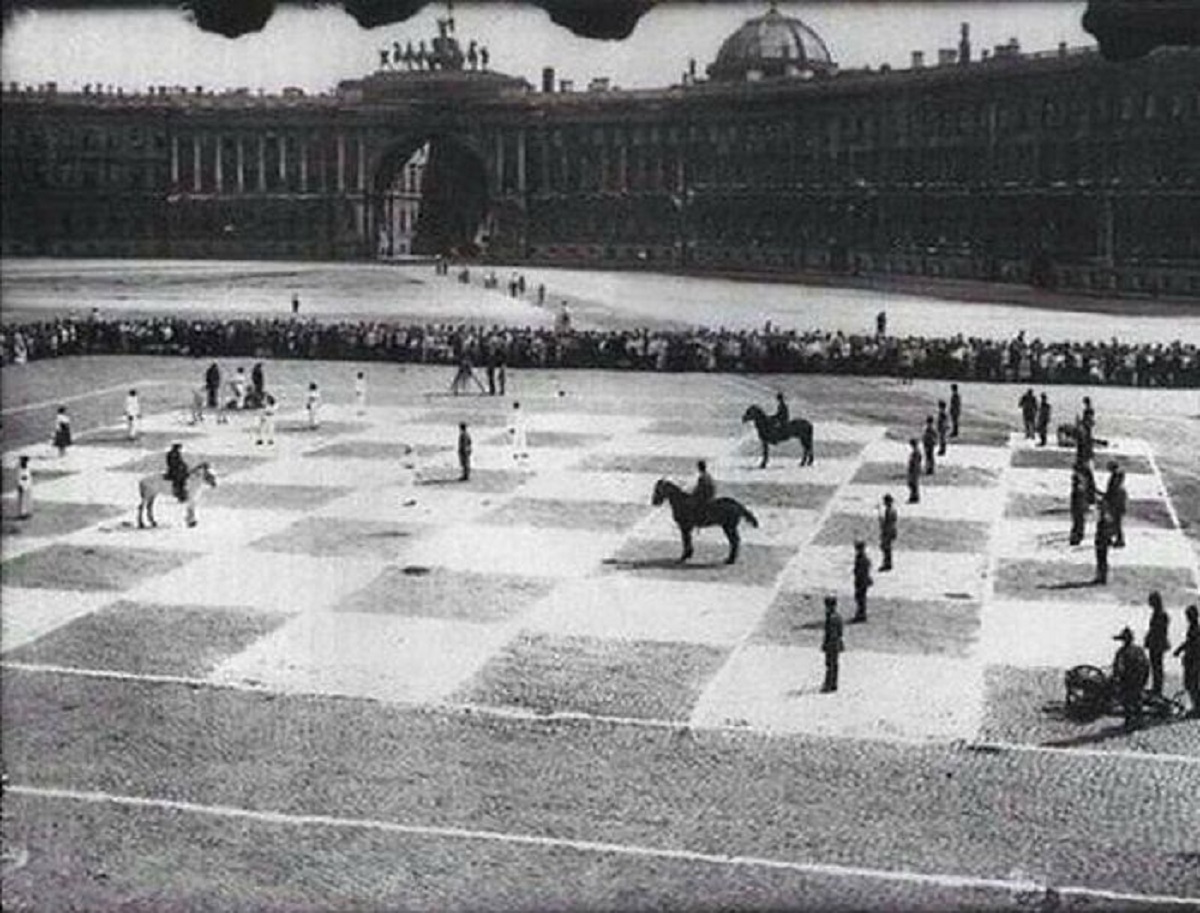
[350, 561]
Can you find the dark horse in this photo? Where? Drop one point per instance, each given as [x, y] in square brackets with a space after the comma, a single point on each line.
[723, 512]
[769, 434]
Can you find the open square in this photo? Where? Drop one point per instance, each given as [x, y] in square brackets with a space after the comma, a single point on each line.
[326, 537]
[606, 516]
[418, 592]
[68, 567]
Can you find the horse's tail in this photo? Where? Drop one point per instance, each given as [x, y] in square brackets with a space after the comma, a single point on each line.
[750, 518]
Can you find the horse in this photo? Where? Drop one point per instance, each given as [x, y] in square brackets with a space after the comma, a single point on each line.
[150, 487]
[768, 434]
[723, 512]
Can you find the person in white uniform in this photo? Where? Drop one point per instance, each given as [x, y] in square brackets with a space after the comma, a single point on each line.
[24, 489]
[360, 394]
[313, 405]
[266, 422]
[520, 433]
[133, 415]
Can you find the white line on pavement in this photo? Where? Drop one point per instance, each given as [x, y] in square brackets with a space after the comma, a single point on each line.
[519, 714]
[935, 880]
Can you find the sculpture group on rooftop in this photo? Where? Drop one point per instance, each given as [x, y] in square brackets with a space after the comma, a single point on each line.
[445, 53]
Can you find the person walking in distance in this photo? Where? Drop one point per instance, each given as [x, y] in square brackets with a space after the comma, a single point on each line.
[1130, 670]
[929, 438]
[62, 431]
[955, 409]
[312, 403]
[1157, 642]
[914, 471]
[943, 427]
[360, 394]
[862, 581]
[1102, 541]
[1029, 410]
[831, 644]
[1043, 420]
[212, 384]
[1189, 654]
[464, 453]
[888, 522]
[1117, 499]
[133, 415]
[24, 489]
[519, 432]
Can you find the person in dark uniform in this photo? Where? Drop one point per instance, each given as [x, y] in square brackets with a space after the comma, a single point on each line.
[705, 489]
[1117, 499]
[177, 471]
[831, 644]
[955, 409]
[1088, 419]
[1131, 668]
[491, 373]
[1189, 653]
[943, 427]
[888, 523]
[258, 382]
[1029, 408]
[929, 438]
[1079, 504]
[914, 471]
[782, 416]
[862, 581]
[212, 383]
[881, 323]
[1157, 642]
[1043, 420]
[295, 304]
[1085, 444]
[464, 452]
[1102, 541]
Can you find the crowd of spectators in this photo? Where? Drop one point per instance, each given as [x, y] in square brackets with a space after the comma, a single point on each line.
[768, 350]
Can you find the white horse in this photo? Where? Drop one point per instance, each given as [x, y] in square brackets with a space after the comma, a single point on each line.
[150, 487]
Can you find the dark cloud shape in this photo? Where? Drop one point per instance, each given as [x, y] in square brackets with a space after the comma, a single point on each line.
[1126, 29]
[609, 19]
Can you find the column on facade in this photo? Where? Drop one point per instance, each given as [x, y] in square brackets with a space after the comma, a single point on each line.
[218, 171]
[521, 162]
[622, 162]
[262, 164]
[602, 171]
[545, 161]
[241, 165]
[196, 163]
[499, 162]
[361, 182]
[303, 165]
[341, 163]
[283, 183]
[174, 162]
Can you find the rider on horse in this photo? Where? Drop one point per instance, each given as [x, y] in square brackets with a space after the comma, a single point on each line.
[782, 416]
[177, 471]
[705, 489]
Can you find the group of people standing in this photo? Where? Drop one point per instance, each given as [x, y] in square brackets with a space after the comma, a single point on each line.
[1134, 666]
[933, 442]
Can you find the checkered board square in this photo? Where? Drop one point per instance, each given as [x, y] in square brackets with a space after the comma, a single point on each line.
[415, 591]
[89, 568]
[148, 639]
[633, 679]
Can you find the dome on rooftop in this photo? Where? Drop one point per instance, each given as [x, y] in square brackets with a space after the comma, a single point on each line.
[769, 46]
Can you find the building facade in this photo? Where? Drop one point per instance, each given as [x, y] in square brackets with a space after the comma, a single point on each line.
[1057, 168]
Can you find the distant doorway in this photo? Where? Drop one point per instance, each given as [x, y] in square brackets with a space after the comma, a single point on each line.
[431, 201]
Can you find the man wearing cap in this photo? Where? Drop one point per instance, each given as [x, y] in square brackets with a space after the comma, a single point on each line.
[1029, 408]
[1157, 642]
[782, 415]
[464, 453]
[1131, 668]
[705, 489]
[1043, 420]
[1079, 503]
[831, 644]
[887, 532]
[862, 581]
[1102, 541]
[929, 439]
[1117, 499]
[955, 409]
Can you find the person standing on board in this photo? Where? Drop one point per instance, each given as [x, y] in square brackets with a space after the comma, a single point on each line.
[133, 415]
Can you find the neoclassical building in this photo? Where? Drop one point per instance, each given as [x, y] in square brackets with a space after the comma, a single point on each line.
[1058, 167]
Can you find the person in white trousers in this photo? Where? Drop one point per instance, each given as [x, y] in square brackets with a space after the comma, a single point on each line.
[133, 415]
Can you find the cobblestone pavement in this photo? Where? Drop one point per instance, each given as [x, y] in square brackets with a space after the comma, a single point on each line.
[351, 632]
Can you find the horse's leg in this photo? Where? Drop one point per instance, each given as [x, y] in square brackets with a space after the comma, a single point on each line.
[686, 533]
[141, 507]
[190, 512]
[763, 464]
[731, 533]
[150, 510]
